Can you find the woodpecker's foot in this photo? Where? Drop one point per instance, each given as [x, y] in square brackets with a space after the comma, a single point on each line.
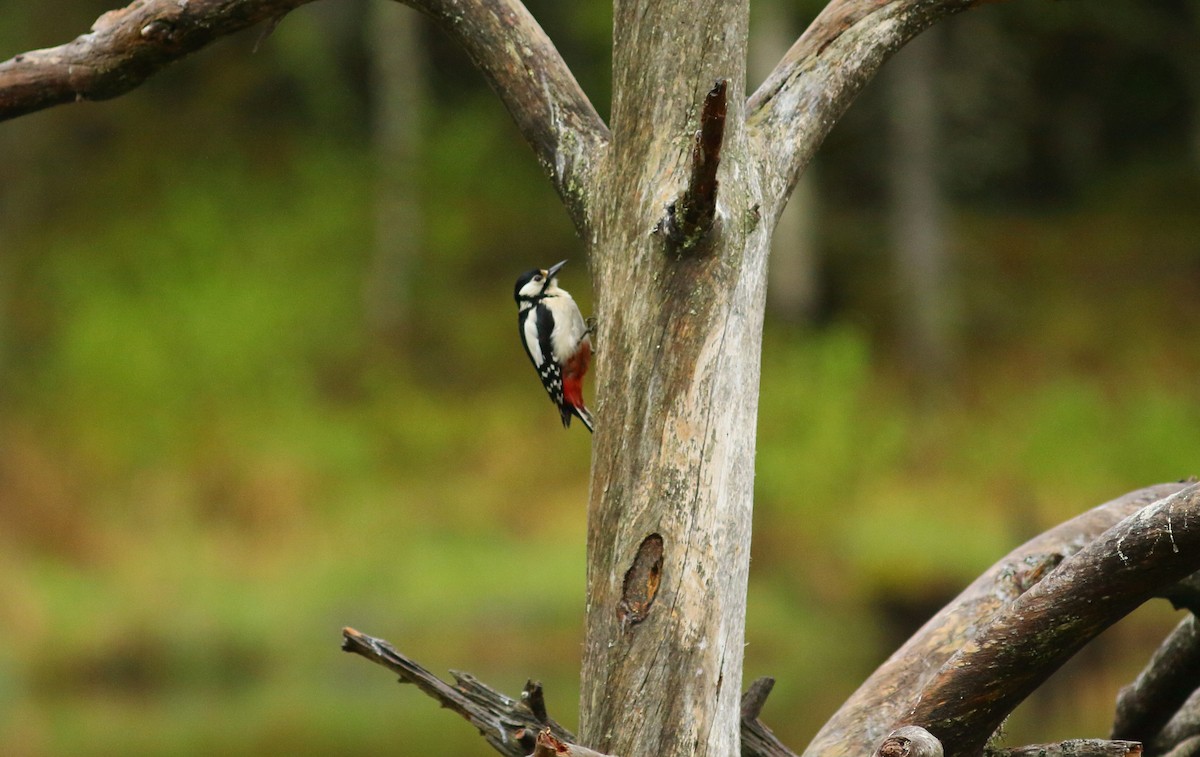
[591, 331]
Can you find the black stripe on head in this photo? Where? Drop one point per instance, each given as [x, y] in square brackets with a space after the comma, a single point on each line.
[524, 279]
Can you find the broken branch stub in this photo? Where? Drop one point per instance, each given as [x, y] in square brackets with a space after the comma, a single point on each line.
[690, 217]
[757, 739]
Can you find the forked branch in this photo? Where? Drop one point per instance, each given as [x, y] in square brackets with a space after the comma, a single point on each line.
[510, 726]
[522, 727]
[526, 71]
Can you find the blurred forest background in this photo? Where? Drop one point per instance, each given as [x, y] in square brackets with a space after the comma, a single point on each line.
[259, 375]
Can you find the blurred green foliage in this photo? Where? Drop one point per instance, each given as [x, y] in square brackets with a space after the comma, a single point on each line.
[209, 463]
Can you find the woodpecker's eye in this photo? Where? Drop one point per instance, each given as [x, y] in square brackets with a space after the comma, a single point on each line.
[538, 277]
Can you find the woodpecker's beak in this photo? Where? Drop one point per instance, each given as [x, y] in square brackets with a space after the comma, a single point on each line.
[552, 270]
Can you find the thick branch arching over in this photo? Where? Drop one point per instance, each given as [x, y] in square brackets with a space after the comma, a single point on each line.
[895, 687]
[128, 45]
[1024, 643]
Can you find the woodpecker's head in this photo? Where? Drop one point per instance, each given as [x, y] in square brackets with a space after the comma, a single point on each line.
[532, 285]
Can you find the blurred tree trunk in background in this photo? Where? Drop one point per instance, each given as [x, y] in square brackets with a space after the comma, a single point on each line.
[397, 97]
[792, 285]
[924, 295]
[22, 186]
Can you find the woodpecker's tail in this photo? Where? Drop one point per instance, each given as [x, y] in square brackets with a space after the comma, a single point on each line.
[585, 416]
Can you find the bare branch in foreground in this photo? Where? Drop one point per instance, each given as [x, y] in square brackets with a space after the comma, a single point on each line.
[520, 727]
[1033, 636]
[1145, 706]
[909, 741]
[1072, 748]
[868, 715]
[509, 725]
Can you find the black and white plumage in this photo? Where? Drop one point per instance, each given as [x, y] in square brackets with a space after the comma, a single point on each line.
[556, 339]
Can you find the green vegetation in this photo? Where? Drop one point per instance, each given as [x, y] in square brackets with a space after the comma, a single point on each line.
[210, 470]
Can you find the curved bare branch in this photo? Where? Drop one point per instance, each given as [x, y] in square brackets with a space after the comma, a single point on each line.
[868, 715]
[128, 45]
[124, 48]
[818, 78]
[1024, 643]
[526, 71]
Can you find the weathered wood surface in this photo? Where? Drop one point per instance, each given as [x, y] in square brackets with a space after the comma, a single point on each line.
[965, 701]
[869, 714]
[1182, 727]
[510, 725]
[1072, 748]
[124, 48]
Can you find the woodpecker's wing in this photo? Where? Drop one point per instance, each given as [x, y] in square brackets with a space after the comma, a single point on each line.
[536, 325]
[527, 327]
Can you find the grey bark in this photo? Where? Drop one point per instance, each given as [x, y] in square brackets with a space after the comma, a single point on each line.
[1183, 727]
[511, 726]
[674, 445]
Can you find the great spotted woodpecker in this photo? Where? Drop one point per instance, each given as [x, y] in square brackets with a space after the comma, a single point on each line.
[556, 339]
